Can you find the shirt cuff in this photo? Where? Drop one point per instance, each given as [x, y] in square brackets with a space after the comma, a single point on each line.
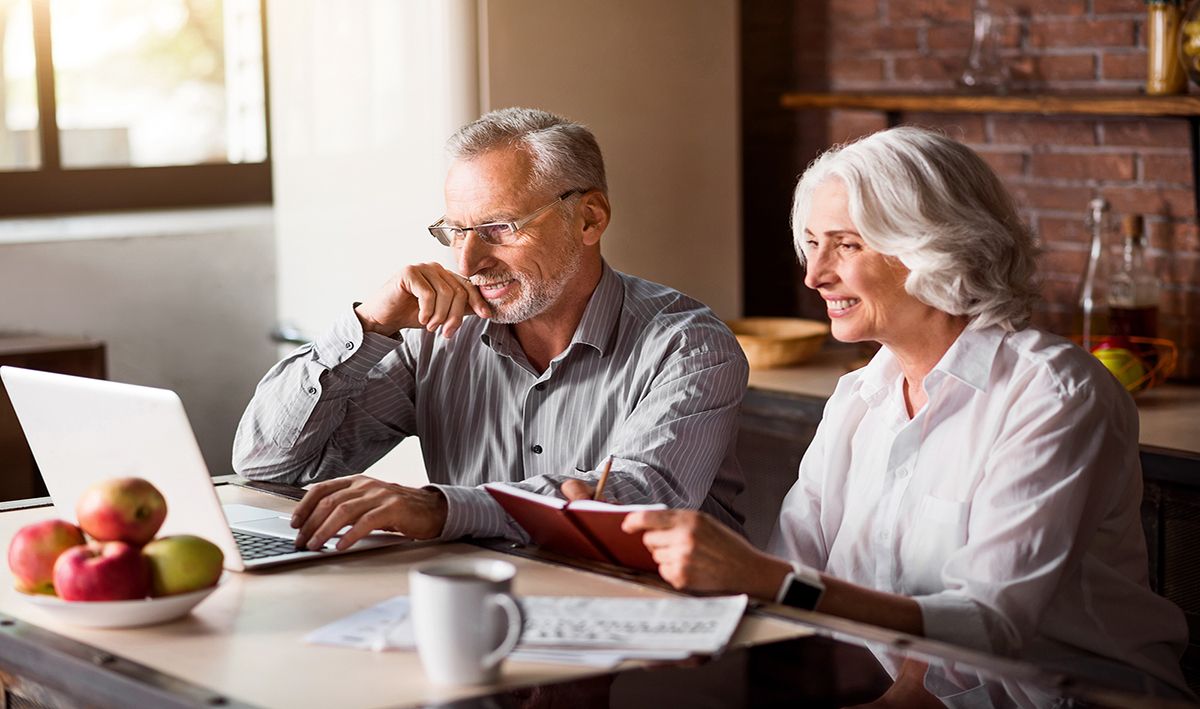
[471, 512]
[951, 617]
[353, 352]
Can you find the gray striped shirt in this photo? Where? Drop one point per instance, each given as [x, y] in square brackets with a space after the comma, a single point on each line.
[650, 376]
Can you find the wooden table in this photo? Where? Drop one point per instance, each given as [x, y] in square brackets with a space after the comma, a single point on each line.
[243, 646]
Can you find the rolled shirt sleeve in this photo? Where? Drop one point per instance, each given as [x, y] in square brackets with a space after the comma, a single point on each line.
[651, 377]
[331, 408]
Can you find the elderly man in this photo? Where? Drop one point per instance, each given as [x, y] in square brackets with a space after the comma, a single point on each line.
[530, 365]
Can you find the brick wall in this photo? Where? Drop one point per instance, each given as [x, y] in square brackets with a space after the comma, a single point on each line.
[1054, 165]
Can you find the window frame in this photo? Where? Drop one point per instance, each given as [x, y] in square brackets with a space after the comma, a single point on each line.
[52, 189]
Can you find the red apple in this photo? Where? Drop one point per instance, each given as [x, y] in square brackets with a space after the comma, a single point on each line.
[126, 510]
[108, 571]
[182, 563]
[35, 548]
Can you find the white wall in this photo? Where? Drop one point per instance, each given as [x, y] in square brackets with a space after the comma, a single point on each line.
[363, 96]
[182, 300]
[657, 83]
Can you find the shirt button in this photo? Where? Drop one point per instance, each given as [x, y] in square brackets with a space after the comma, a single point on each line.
[902, 472]
[540, 386]
[536, 449]
[349, 345]
[312, 390]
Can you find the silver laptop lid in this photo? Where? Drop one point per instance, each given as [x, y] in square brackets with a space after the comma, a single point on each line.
[84, 430]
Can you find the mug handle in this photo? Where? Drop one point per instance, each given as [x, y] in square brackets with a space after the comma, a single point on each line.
[516, 624]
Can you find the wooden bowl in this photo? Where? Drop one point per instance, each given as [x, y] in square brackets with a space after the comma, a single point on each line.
[778, 342]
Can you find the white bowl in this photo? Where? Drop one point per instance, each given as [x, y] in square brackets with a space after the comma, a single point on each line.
[119, 614]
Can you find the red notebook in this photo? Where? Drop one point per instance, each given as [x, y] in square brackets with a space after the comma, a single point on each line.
[583, 528]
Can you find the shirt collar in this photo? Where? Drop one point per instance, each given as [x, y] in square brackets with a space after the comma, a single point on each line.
[597, 328]
[969, 360]
[972, 355]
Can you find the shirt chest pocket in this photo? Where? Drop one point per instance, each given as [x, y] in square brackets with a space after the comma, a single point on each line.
[936, 529]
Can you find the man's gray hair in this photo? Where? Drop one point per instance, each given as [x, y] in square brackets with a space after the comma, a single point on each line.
[937, 207]
[565, 154]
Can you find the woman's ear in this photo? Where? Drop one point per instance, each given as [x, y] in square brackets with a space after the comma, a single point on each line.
[596, 213]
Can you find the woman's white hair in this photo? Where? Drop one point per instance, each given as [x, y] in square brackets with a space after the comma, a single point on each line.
[937, 207]
[564, 154]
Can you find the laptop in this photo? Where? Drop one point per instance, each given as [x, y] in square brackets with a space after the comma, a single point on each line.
[84, 430]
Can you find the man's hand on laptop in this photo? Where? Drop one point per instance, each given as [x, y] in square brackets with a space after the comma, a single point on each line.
[425, 295]
[366, 505]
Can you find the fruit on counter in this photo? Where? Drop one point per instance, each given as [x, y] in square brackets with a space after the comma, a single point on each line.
[129, 510]
[182, 563]
[102, 571]
[1117, 357]
[35, 548]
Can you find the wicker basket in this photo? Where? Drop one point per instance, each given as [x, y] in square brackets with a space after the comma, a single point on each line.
[778, 342]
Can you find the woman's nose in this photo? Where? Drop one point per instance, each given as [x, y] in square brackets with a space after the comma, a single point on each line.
[816, 268]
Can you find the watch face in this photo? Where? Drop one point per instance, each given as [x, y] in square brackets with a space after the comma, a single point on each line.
[801, 595]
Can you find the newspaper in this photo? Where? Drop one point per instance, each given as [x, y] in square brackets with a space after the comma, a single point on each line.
[587, 630]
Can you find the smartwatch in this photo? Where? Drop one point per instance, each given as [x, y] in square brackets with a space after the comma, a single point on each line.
[801, 588]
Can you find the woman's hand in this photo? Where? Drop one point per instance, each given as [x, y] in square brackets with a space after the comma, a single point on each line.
[695, 552]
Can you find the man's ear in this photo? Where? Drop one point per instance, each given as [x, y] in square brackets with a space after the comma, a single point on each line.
[596, 213]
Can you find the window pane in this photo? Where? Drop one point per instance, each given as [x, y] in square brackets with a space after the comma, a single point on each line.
[20, 148]
[158, 82]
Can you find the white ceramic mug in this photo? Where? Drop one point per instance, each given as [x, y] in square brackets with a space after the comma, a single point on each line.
[465, 619]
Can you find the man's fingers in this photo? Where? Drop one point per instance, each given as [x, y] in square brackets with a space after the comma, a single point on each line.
[445, 289]
[574, 489]
[334, 506]
[478, 304]
[451, 310]
[458, 308]
[347, 512]
[367, 523]
[474, 298]
[424, 291]
[314, 495]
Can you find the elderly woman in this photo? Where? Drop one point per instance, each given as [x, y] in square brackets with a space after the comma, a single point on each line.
[978, 481]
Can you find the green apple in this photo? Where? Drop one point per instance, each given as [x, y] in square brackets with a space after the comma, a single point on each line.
[182, 563]
[1124, 365]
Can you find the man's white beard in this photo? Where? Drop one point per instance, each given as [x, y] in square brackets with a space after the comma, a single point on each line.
[535, 297]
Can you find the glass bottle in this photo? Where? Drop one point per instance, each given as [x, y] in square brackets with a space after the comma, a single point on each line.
[1093, 290]
[1133, 291]
[985, 70]
[1164, 70]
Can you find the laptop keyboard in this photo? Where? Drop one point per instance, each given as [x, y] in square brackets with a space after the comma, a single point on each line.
[256, 546]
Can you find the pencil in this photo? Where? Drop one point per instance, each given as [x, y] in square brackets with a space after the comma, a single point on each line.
[603, 477]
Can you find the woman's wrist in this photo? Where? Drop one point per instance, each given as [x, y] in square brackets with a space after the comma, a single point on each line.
[769, 577]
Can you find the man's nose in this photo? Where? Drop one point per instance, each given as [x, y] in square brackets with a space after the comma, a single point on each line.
[472, 254]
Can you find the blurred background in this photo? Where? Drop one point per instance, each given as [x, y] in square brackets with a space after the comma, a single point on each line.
[179, 179]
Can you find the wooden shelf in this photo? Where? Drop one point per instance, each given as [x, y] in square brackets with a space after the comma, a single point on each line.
[1057, 104]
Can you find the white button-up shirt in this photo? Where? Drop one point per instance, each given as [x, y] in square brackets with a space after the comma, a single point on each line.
[1008, 506]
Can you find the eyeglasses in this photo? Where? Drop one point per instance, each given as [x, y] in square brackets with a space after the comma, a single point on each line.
[492, 233]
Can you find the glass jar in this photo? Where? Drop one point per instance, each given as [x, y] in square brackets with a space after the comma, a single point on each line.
[1164, 71]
